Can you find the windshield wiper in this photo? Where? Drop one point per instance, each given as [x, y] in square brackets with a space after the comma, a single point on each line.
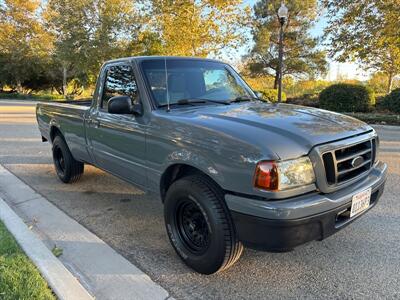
[189, 101]
[244, 98]
[198, 100]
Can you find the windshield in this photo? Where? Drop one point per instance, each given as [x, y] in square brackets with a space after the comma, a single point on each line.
[192, 79]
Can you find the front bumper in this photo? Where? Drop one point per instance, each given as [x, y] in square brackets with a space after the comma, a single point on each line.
[281, 225]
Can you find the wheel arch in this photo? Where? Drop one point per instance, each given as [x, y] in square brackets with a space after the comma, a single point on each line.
[178, 170]
[54, 131]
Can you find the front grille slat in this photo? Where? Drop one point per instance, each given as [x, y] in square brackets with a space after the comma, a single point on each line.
[347, 163]
[350, 170]
[353, 155]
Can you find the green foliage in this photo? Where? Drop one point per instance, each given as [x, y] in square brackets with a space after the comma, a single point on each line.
[305, 100]
[366, 31]
[379, 82]
[307, 88]
[199, 28]
[263, 85]
[89, 32]
[260, 83]
[24, 44]
[272, 95]
[344, 97]
[301, 54]
[38, 96]
[19, 278]
[392, 101]
[61, 44]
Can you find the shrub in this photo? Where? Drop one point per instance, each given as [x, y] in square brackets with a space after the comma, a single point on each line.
[392, 101]
[305, 87]
[344, 97]
[260, 83]
[379, 102]
[305, 100]
[30, 96]
[272, 95]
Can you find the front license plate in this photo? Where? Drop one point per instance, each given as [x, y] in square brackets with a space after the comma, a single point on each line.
[360, 202]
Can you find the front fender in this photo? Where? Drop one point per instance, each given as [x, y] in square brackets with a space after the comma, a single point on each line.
[195, 160]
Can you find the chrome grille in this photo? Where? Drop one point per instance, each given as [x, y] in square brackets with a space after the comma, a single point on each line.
[346, 163]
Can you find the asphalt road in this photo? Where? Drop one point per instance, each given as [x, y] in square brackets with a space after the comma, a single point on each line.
[362, 261]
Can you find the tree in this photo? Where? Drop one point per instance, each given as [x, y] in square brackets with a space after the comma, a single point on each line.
[199, 28]
[71, 24]
[378, 82]
[89, 32]
[301, 54]
[366, 31]
[23, 44]
[120, 29]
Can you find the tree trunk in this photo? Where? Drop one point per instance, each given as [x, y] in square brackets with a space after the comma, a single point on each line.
[390, 82]
[64, 87]
[276, 80]
[19, 87]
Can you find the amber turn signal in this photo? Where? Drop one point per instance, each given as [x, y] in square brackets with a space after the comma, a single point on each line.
[266, 176]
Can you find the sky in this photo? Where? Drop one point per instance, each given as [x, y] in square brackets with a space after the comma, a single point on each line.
[343, 70]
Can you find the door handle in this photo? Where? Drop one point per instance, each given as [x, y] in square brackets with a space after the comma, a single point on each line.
[94, 123]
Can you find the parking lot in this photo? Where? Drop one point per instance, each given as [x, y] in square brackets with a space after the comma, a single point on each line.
[361, 261]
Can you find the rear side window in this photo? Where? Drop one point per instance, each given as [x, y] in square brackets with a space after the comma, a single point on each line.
[120, 81]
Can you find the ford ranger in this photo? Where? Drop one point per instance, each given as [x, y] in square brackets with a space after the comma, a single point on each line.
[231, 169]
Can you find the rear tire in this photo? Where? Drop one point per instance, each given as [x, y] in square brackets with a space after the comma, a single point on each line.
[199, 225]
[67, 168]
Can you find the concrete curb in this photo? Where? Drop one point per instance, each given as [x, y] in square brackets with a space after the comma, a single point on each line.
[99, 268]
[61, 281]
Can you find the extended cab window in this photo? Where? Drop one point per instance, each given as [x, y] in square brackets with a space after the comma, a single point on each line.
[120, 81]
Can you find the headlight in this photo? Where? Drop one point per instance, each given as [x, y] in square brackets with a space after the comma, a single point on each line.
[284, 175]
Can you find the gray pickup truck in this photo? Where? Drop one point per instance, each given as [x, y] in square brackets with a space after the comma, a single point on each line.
[230, 169]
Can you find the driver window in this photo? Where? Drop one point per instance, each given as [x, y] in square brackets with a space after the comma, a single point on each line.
[119, 81]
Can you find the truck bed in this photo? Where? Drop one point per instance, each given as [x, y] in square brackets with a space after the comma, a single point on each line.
[83, 102]
[69, 118]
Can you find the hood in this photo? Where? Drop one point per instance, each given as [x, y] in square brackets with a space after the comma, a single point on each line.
[287, 130]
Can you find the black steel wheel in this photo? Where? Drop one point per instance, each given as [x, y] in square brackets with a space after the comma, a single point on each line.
[192, 226]
[67, 168]
[59, 160]
[199, 225]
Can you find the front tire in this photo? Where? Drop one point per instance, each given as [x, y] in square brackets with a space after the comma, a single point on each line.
[199, 225]
[67, 168]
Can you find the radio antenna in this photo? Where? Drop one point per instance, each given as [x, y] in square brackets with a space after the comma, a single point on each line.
[166, 81]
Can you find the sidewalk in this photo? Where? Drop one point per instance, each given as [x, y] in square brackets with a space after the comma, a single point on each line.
[99, 268]
[60, 280]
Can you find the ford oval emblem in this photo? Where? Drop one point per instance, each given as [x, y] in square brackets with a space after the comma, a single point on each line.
[357, 161]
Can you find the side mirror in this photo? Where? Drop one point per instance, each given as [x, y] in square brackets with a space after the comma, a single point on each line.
[123, 105]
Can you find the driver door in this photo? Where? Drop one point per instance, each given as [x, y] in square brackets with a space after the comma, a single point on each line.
[118, 140]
